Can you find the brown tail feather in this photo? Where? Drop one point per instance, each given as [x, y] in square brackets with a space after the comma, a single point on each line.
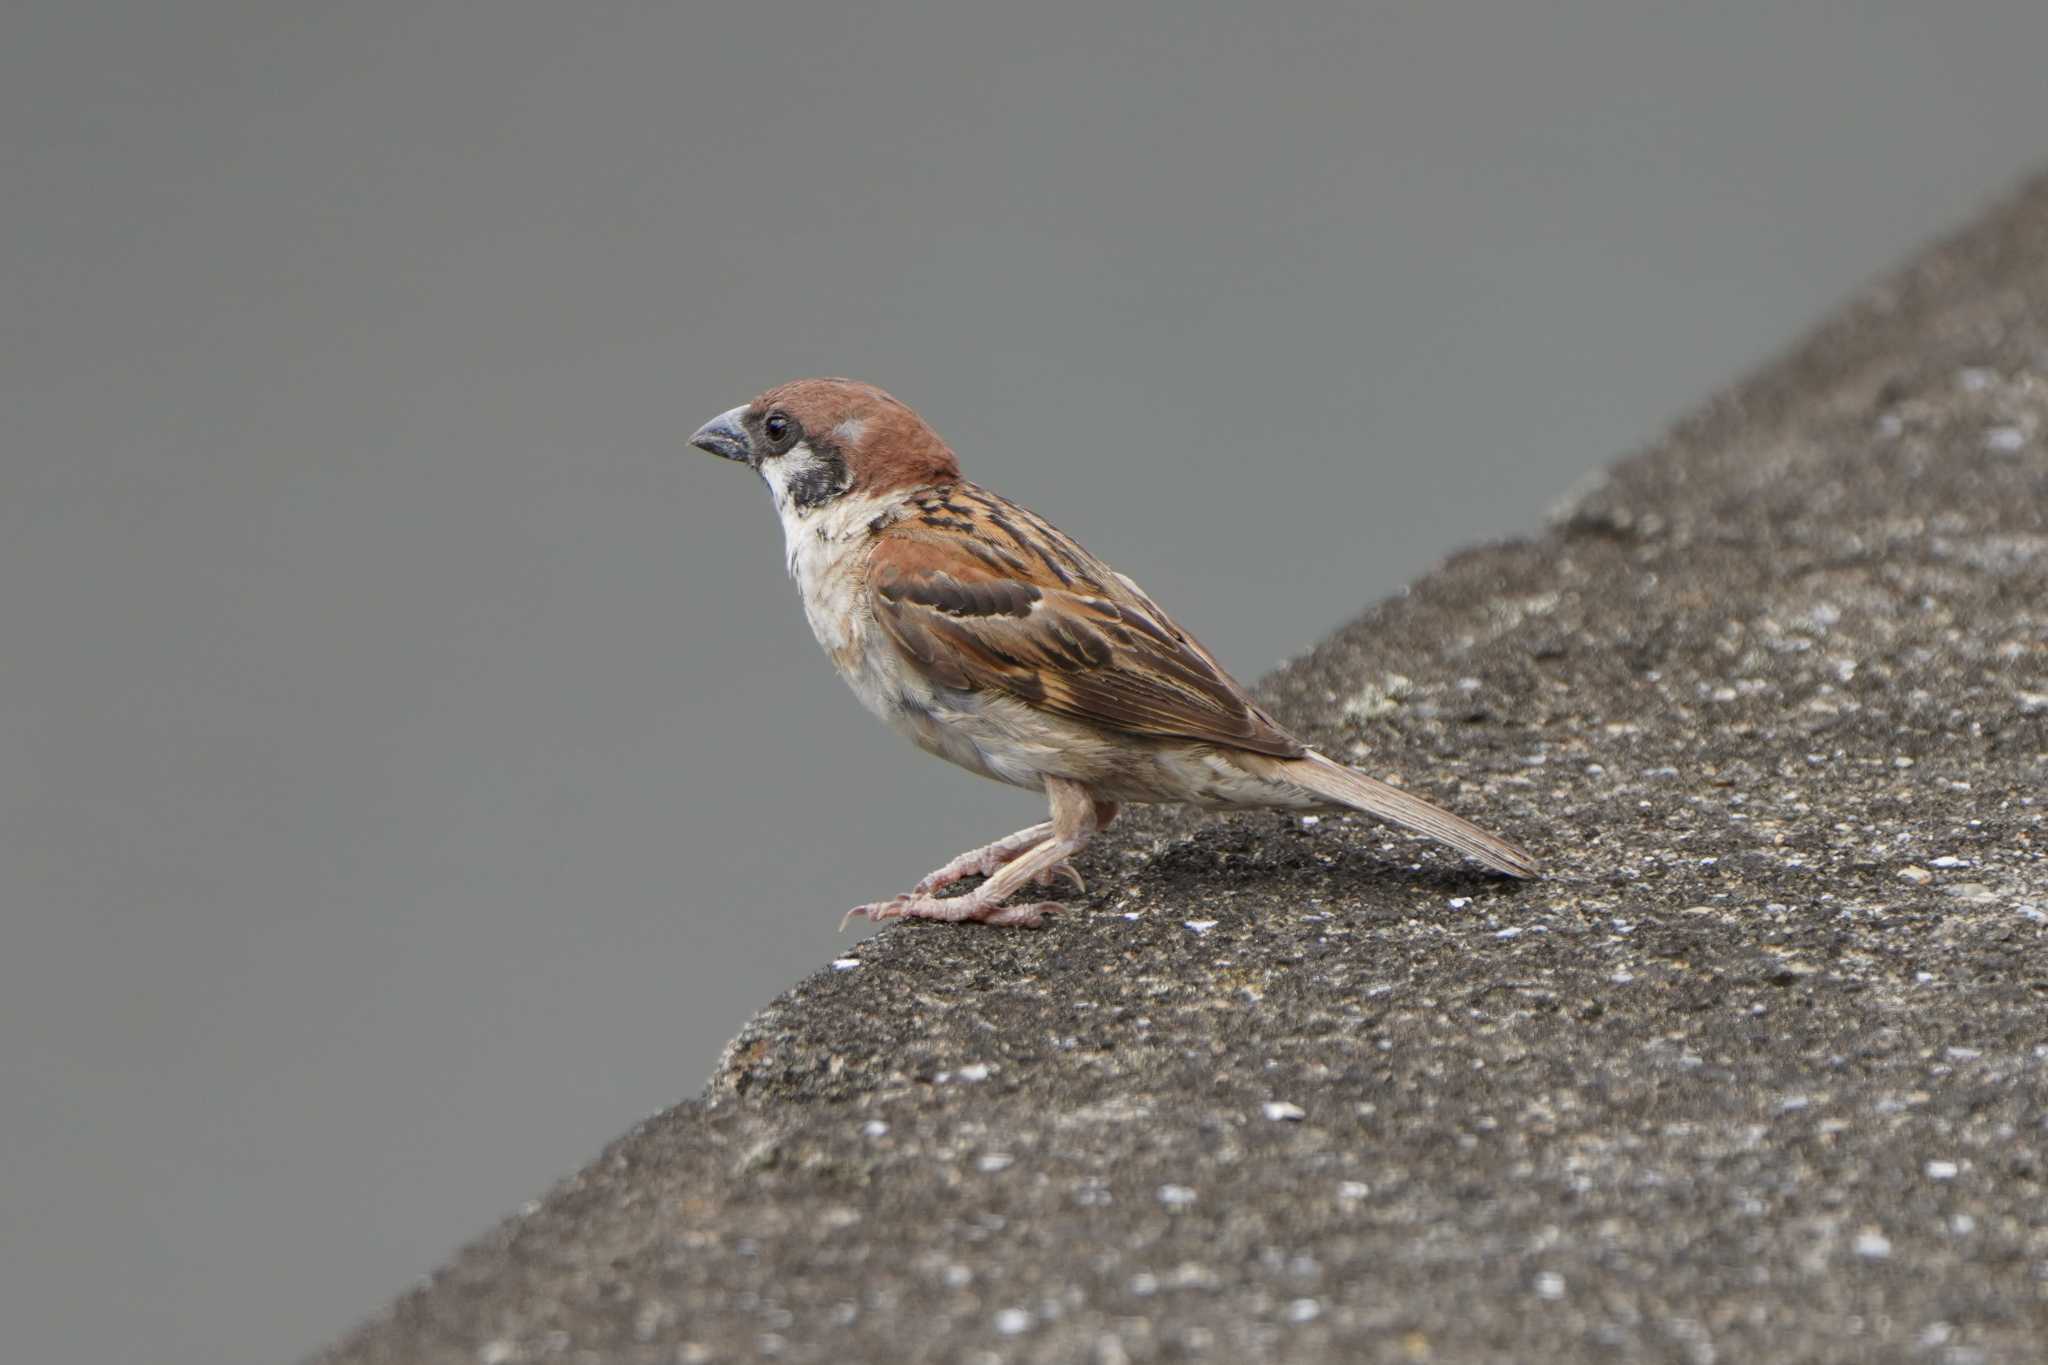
[1349, 787]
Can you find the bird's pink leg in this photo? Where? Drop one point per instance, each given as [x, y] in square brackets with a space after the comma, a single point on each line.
[980, 862]
[1036, 854]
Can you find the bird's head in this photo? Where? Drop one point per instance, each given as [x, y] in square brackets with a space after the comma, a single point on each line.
[815, 440]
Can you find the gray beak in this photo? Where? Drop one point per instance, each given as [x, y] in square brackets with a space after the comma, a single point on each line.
[723, 435]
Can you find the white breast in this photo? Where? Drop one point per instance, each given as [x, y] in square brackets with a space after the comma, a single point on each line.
[823, 548]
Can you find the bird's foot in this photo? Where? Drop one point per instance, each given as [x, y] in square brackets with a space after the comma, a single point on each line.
[1040, 855]
[983, 861]
[953, 910]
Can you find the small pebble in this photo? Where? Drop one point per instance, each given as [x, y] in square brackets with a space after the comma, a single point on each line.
[1873, 1245]
[1176, 1196]
[1942, 1170]
[1550, 1285]
[845, 964]
[1011, 1321]
[1281, 1109]
[1915, 874]
[991, 1162]
[874, 1128]
[973, 1071]
[1200, 926]
[1304, 1310]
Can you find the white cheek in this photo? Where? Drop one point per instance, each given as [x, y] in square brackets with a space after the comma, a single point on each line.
[775, 473]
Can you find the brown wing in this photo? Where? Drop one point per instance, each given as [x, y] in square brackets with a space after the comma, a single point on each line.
[984, 596]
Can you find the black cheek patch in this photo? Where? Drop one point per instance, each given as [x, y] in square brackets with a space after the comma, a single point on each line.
[820, 481]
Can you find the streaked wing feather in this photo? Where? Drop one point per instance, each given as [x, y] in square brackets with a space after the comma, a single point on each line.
[1014, 607]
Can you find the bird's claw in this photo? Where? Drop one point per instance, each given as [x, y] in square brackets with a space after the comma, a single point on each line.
[1059, 870]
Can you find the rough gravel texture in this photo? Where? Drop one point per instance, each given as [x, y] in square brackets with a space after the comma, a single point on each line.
[1759, 1072]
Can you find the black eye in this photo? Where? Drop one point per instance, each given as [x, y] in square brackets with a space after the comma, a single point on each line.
[777, 426]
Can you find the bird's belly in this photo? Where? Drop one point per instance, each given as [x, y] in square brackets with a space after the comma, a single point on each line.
[955, 726]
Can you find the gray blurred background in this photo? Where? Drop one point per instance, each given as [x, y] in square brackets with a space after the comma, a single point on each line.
[413, 761]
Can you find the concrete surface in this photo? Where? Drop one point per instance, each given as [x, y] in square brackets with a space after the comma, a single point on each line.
[1760, 1072]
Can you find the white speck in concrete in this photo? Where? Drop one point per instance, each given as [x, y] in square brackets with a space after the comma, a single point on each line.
[1550, 1285]
[1012, 1321]
[973, 1072]
[2006, 440]
[991, 1162]
[874, 1128]
[1872, 1245]
[845, 964]
[1304, 1310]
[1281, 1109]
[1176, 1196]
[1942, 1170]
[1200, 926]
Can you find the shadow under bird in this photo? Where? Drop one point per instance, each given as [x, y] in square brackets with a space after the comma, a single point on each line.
[992, 640]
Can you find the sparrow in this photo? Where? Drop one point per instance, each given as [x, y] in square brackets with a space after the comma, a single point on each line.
[990, 639]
